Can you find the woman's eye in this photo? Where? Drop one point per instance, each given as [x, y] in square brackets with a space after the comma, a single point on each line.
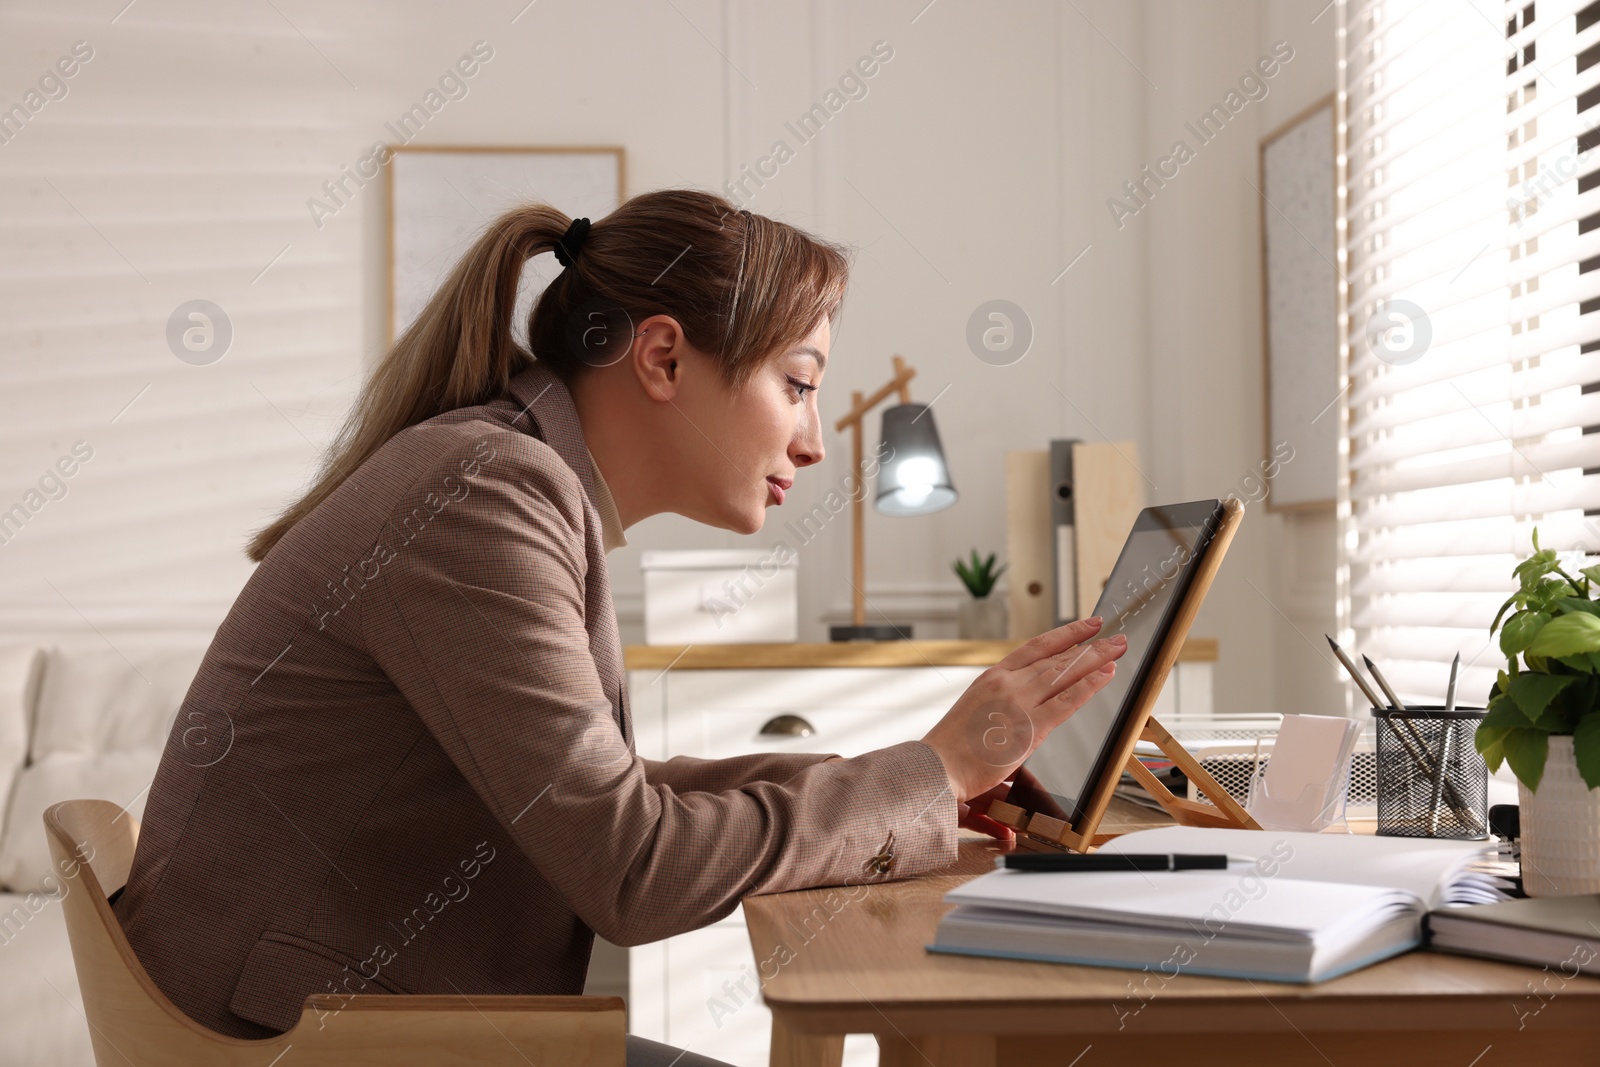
[802, 388]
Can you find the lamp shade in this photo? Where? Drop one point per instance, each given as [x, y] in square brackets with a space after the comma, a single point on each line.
[913, 479]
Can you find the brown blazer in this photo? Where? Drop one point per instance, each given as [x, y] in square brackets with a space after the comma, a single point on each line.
[407, 765]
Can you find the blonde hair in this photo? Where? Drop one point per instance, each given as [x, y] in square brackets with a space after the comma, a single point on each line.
[743, 287]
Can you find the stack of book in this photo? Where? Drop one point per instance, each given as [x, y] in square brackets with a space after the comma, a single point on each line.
[1290, 907]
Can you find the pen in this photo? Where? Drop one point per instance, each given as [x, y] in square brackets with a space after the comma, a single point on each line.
[1110, 861]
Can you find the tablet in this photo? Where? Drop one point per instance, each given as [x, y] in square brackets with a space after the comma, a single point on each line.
[1140, 599]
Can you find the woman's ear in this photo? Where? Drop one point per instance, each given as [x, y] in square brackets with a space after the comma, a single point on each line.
[658, 350]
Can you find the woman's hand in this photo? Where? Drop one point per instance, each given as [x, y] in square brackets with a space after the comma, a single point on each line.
[1013, 706]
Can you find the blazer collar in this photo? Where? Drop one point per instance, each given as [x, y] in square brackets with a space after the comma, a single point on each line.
[546, 403]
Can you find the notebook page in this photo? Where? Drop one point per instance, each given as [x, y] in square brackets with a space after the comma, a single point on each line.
[1426, 869]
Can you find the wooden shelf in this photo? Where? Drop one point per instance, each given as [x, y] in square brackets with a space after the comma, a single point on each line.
[850, 654]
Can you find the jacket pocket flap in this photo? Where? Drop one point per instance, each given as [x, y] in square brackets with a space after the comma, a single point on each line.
[282, 970]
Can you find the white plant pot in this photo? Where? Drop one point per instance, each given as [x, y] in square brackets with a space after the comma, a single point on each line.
[983, 620]
[1560, 829]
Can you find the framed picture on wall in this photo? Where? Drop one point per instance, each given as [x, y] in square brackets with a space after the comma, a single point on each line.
[441, 198]
[1299, 290]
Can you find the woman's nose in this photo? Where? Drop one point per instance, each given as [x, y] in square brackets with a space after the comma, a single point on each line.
[808, 448]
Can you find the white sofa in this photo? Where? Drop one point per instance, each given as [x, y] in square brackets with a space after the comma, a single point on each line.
[74, 723]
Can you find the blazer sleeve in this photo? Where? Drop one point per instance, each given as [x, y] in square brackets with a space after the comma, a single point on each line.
[687, 774]
[477, 616]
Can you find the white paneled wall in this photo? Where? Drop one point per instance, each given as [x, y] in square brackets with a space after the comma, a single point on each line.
[175, 168]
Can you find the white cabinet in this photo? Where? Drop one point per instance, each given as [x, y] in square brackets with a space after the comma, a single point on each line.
[700, 990]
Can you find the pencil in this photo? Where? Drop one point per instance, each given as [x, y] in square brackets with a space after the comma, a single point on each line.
[1444, 747]
[1355, 675]
[1383, 683]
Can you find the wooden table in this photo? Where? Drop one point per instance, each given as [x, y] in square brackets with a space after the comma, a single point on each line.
[853, 961]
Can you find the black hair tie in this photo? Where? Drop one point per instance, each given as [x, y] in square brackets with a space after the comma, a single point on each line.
[567, 248]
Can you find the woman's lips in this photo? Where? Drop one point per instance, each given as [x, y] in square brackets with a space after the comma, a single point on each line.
[777, 489]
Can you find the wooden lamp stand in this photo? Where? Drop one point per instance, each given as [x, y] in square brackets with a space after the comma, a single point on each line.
[860, 407]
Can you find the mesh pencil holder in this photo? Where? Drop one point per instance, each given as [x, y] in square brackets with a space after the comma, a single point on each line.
[1431, 780]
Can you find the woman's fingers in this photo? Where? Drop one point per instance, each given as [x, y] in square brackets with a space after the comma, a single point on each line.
[1066, 668]
[1061, 707]
[1050, 643]
[985, 825]
[974, 815]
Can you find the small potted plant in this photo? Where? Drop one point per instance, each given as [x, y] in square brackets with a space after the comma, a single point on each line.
[983, 617]
[1544, 720]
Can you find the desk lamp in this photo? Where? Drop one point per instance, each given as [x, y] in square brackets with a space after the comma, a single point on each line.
[913, 479]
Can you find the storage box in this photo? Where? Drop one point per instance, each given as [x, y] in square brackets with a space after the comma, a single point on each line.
[724, 596]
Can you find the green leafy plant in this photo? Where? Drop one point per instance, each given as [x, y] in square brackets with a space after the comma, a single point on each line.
[1555, 630]
[979, 576]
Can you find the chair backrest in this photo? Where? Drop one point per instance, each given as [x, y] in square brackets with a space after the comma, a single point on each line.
[131, 1022]
[130, 1019]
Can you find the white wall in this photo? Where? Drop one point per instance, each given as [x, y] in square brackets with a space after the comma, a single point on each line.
[977, 167]
[1274, 597]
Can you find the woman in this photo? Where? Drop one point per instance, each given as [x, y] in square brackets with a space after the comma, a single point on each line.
[407, 763]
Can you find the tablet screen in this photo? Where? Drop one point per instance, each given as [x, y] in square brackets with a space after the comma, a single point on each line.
[1150, 576]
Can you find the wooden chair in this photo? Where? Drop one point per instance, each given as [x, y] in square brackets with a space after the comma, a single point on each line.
[132, 1022]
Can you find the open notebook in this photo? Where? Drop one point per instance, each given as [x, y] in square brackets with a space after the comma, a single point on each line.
[1292, 907]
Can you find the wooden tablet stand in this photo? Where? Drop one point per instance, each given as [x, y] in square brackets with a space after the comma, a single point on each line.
[1044, 833]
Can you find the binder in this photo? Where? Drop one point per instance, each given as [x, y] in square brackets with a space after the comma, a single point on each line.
[1060, 548]
[1064, 559]
[1028, 550]
[1108, 492]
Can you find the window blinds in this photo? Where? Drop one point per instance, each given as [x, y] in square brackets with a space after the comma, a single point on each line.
[1470, 323]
